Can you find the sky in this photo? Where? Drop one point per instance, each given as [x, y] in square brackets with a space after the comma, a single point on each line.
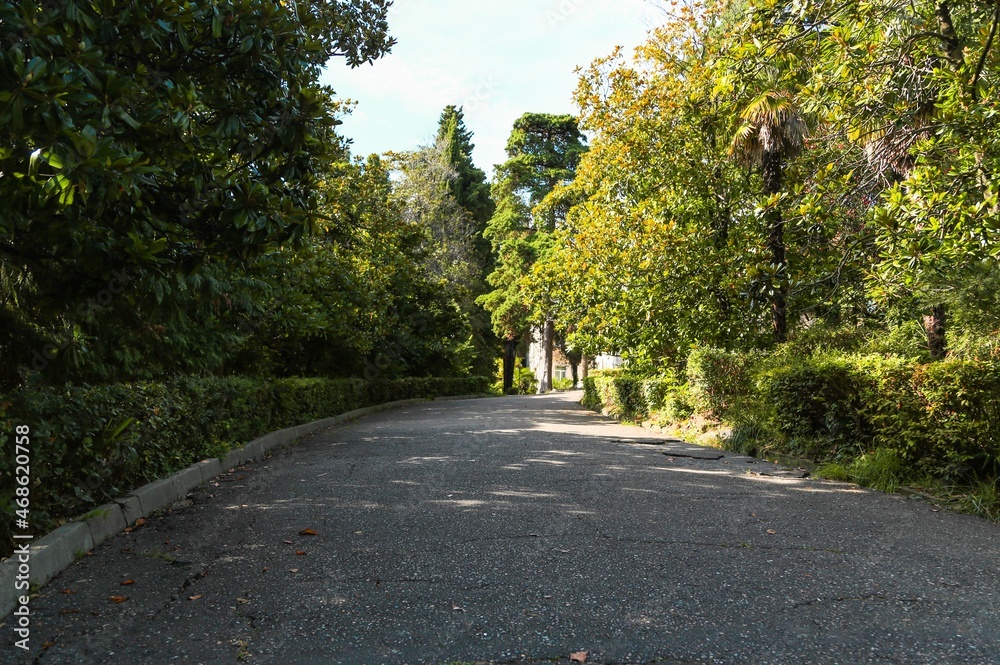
[498, 60]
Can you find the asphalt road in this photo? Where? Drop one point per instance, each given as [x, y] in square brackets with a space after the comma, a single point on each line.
[525, 530]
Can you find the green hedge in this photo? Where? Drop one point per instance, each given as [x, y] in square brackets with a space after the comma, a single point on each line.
[626, 397]
[821, 399]
[90, 444]
[942, 419]
[720, 381]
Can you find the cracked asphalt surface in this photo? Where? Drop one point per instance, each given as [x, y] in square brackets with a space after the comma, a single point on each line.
[522, 530]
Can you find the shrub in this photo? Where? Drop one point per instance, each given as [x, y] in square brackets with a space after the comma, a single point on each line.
[615, 395]
[875, 419]
[657, 391]
[562, 384]
[678, 403]
[881, 469]
[525, 382]
[819, 398]
[720, 380]
[591, 394]
[632, 398]
[91, 444]
[961, 405]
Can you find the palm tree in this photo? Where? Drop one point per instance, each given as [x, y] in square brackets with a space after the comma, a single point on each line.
[772, 132]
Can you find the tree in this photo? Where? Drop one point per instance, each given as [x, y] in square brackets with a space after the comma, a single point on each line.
[663, 247]
[378, 292]
[471, 191]
[773, 131]
[543, 153]
[652, 256]
[914, 84]
[424, 194]
[470, 187]
[164, 141]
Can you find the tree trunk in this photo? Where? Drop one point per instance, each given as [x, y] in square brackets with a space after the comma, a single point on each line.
[574, 368]
[951, 41]
[934, 324]
[584, 366]
[776, 245]
[509, 353]
[548, 340]
[720, 227]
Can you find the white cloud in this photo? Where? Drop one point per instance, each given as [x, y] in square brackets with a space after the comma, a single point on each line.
[497, 60]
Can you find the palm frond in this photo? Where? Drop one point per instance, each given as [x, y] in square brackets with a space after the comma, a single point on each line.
[771, 123]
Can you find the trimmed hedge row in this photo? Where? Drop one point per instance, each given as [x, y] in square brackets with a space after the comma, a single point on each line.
[91, 444]
[942, 418]
[627, 397]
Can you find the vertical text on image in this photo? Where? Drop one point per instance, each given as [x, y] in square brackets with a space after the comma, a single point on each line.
[22, 515]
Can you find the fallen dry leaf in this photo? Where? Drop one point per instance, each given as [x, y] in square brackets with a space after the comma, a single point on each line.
[48, 644]
[128, 582]
[300, 552]
[308, 532]
[772, 532]
[194, 597]
[288, 542]
[243, 601]
[456, 608]
[139, 522]
[119, 599]
[294, 570]
[579, 656]
[68, 592]
[64, 612]
[128, 529]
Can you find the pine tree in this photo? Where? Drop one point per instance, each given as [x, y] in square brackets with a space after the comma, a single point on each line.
[470, 188]
[543, 153]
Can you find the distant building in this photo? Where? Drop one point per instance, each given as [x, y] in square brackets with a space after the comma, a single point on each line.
[561, 366]
[607, 361]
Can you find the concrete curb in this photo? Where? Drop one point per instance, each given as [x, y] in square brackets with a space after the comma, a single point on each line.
[55, 552]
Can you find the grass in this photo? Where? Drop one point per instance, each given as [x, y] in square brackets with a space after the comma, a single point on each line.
[96, 512]
[881, 469]
[983, 500]
[833, 471]
[747, 438]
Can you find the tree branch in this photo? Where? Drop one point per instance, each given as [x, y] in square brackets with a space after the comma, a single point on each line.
[985, 53]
